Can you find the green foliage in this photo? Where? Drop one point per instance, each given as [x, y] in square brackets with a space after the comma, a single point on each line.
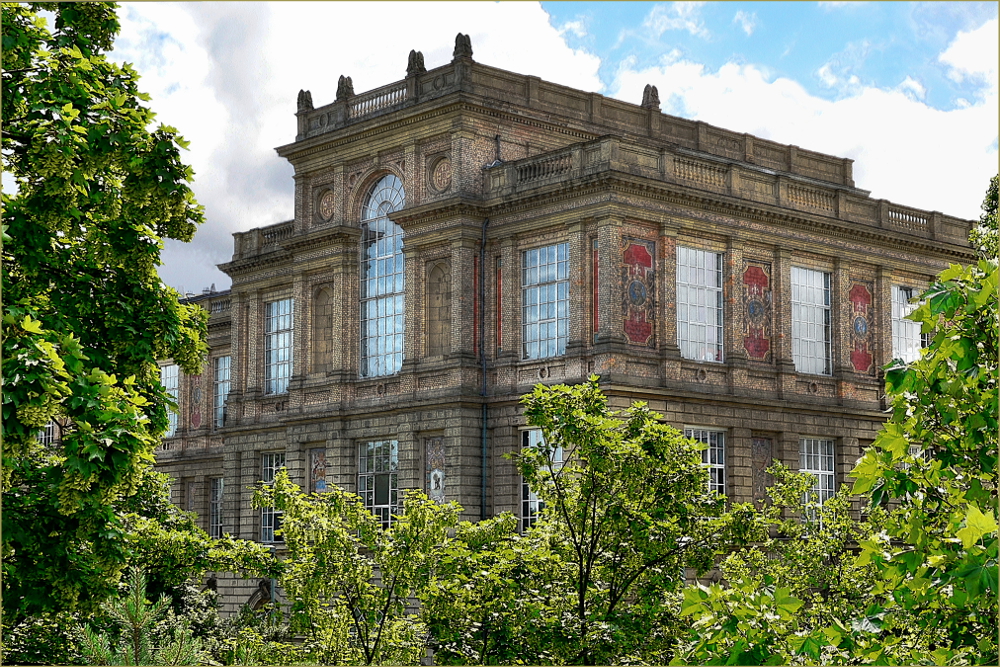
[985, 237]
[937, 456]
[136, 642]
[624, 515]
[350, 580]
[493, 597]
[85, 315]
[52, 639]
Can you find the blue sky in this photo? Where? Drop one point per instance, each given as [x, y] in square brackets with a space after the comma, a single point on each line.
[907, 90]
[879, 42]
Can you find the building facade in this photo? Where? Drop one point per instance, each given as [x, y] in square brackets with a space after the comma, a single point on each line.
[468, 232]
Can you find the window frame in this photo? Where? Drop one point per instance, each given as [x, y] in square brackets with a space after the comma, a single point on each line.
[170, 378]
[689, 303]
[270, 518]
[804, 347]
[545, 275]
[531, 505]
[217, 489]
[905, 333]
[821, 474]
[47, 436]
[382, 350]
[716, 468]
[278, 339]
[374, 463]
[222, 388]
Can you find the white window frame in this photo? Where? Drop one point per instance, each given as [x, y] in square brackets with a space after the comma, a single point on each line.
[906, 337]
[270, 518]
[223, 383]
[279, 324]
[378, 479]
[216, 495]
[700, 332]
[713, 456]
[531, 504]
[817, 457]
[811, 328]
[170, 378]
[382, 280]
[545, 301]
[47, 436]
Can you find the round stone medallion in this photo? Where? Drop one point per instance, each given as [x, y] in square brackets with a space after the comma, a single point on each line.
[441, 176]
[326, 204]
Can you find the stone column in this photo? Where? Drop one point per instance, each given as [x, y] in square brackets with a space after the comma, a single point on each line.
[782, 341]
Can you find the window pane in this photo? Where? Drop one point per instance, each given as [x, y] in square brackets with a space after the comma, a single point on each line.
[545, 301]
[699, 304]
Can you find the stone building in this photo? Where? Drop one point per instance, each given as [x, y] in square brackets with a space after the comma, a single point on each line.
[467, 232]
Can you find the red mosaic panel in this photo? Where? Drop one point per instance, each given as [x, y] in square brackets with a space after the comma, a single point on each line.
[757, 327]
[638, 283]
[861, 326]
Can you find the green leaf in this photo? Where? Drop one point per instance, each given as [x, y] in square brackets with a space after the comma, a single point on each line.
[977, 524]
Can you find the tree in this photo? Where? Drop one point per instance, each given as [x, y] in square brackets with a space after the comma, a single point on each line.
[985, 237]
[937, 458]
[627, 511]
[350, 579]
[86, 316]
[137, 643]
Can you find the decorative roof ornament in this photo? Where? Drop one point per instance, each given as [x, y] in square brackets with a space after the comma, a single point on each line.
[305, 101]
[415, 63]
[650, 98]
[345, 88]
[463, 46]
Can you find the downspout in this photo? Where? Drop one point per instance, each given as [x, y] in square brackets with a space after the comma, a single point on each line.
[482, 363]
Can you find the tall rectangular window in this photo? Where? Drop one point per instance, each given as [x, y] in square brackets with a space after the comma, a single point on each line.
[816, 458]
[270, 518]
[545, 305]
[378, 483]
[906, 337]
[170, 379]
[699, 304]
[713, 456]
[811, 321]
[531, 504]
[215, 507]
[277, 345]
[222, 386]
[47, 436]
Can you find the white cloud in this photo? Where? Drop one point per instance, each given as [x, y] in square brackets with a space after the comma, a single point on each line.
[973, 55]
[575, 27]
[747, 21]
[904, 150]
[227, 74]
[677, 16]
[912, 88]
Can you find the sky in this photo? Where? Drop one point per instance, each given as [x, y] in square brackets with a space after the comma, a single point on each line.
[907, 90]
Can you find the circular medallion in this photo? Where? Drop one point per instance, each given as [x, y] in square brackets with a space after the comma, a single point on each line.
[326, 204]
[637, 293]
[755, 309]
[860, 326]
[441, 176]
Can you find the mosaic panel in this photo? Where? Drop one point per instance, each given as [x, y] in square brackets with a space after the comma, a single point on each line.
[638, 283]
[757, 310]
[434, 454]
[861, 323]
[194, 384]
[317, 470]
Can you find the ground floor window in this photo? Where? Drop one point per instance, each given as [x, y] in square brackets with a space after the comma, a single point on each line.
[713, 456]
[378, 480]
[816, 458]
[531, 504]
[270, 518]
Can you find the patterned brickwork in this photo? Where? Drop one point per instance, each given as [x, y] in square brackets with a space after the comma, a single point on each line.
[756, 279]
[861, 325]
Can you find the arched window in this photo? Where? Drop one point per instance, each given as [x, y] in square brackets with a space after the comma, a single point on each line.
[382, 283]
